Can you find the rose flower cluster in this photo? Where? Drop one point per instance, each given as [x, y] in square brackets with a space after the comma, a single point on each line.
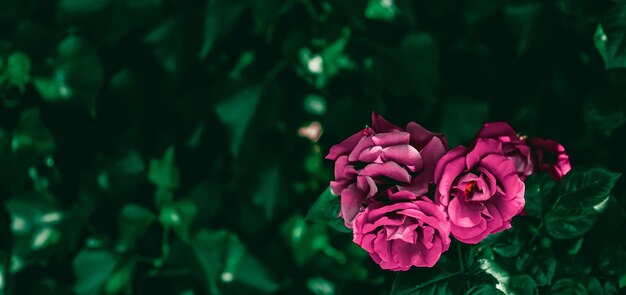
[404, 192]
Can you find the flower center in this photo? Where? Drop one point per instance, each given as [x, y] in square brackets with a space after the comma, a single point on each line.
[470, 188]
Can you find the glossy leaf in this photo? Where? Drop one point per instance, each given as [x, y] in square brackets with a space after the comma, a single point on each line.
[567, 286]
[443, 278]
[522, 285]
[540, 264]
[580, 198]
[326, 210]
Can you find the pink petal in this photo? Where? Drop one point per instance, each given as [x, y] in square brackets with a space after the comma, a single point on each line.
[347, 145]
[380, 124]
[391, 138]
[464, 214]
[483, 147]
[403, 154]
[388, 169]
[351, 201]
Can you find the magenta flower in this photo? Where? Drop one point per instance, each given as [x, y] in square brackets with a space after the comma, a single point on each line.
[383, 157]
[410, 233]
[480, 189]
[551, 157]
[513, 146]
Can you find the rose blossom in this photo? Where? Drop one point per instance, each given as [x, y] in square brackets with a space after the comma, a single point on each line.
[410, 233]
[480, 189]
[513, 146]
[551, 157]
[384, 156]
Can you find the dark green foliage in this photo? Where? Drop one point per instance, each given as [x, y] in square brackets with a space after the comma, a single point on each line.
[171, 147]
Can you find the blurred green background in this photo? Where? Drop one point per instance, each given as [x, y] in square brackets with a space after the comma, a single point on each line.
[175, 147]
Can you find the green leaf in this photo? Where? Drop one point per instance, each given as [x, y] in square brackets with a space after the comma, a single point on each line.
[35, 217]
[522, 285]
[461, 119]
[132, 223]
[17, 70]
[509, 243]
[581, 195]
[267, 194]
[443, 278]
[419, 56]
[224, 258]
[92, 269]
[307, 239]
[539, 263]
[220, 17]
[567, 286]
[589, 188]
[77, 76]
[326, 210]
[610, 37]
[163, 172]
[82, 7]
[237, 113]
[381, 10]
[32, 136]
[483, 290]
[539, 188]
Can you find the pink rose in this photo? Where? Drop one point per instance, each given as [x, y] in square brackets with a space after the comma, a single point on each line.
[480, 189]
[551, 157]
[404, 234]
[380, 158]
[513, 146]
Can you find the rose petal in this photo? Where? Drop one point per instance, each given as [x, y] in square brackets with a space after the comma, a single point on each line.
[388, 169]
[371, 154]
[464, 214]
[452, 170]
[351, 200]
[483, 147]
[380, 124]
[403, 154]
[347, 145]
[364, 143]
[469, 235]
[498, 130]
[391, 138]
